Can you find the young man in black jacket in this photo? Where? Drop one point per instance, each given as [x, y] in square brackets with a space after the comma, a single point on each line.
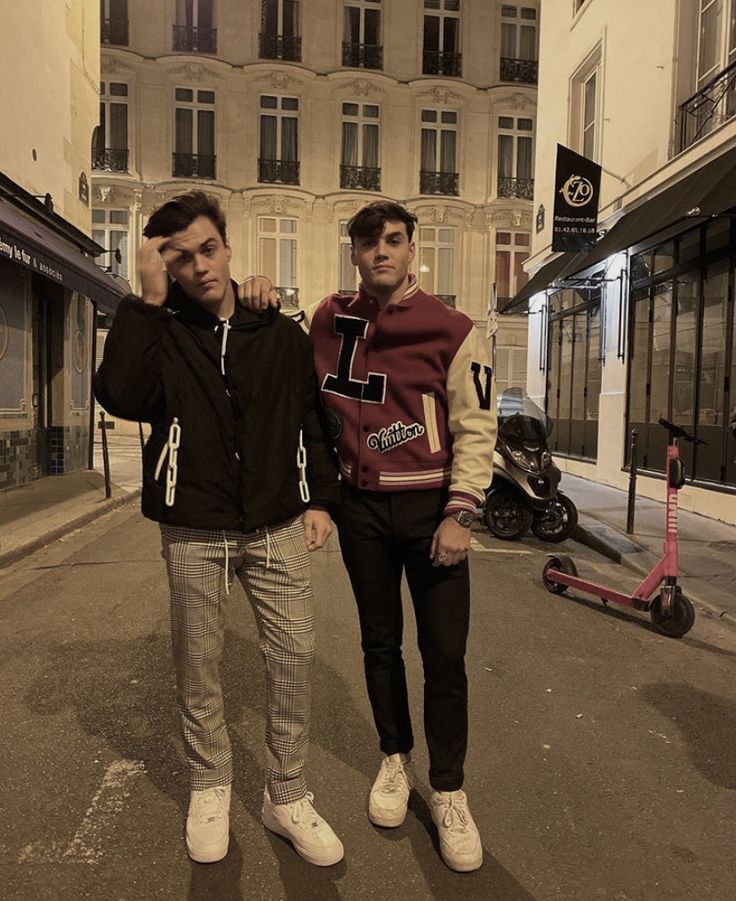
[238, 475]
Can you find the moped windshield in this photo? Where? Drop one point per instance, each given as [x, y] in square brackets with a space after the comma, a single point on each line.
[520, 420]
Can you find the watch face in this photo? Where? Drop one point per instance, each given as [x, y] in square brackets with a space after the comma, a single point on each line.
[465, 518]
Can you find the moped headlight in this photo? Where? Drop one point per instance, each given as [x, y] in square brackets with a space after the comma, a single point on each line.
[522, 459]
[546, 459]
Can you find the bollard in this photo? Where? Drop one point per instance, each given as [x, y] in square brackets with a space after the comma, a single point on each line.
[105, 455]
[633, 464]
[140, 435]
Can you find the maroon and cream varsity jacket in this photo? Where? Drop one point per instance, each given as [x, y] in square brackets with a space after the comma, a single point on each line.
[409, 394]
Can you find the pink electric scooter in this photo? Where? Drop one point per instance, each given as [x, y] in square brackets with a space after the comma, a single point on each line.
[671, 611]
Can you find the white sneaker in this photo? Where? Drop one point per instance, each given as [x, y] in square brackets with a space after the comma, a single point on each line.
[390, 793]
[459, 839]
[208, 824]
[311, 836]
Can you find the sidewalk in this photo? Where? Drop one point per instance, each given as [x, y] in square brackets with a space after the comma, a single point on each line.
[45, 510]
[707, 547]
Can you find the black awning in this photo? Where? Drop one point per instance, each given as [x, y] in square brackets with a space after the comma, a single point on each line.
[704, 193]
[544, 277]
[36, 246]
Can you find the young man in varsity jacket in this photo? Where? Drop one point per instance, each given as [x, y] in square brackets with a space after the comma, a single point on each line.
[239, 476]
[410, 400]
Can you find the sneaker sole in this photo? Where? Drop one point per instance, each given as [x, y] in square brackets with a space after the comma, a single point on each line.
[387, 821]
[209, 856]
[465, 867]
[326, 860]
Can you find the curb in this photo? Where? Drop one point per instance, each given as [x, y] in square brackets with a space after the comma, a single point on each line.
[35, 544]
[598, 544]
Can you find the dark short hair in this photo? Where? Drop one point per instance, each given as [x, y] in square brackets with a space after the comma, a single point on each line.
[178, 213]
[370, 221]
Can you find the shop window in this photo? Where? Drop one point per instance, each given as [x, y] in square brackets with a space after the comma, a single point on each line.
[13, 331]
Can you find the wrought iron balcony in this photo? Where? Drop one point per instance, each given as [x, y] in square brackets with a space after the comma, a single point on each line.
[438, 182]
[524, 70]
[276, 46]
[516, 188]
[362, 56]
[711, 106]
[188, 39]
[193, 165]
[448, 299]
[110, 159]
[285, 172]
[438, 63]
[360, 177]
[114, 31]
[288, 297]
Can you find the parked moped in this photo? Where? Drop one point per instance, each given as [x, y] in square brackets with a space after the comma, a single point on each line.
[671, 611]
[524, 493]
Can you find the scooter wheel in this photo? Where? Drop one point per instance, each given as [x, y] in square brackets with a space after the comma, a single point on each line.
[680, 618]
[564, 564]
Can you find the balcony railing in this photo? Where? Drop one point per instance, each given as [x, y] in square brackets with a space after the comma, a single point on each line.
[110, 159]
[438, 63]
[516, 188]
[193, 165]
[448, 299]
[360, 177]
[114, 31]
[188, 39]
[524, 70]
[285, 172]
[438, 182]
[276, 46]
[714, 104]
[362, 56]
[288, 297]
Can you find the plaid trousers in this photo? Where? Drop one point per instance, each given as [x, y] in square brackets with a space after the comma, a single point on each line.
[274, 568]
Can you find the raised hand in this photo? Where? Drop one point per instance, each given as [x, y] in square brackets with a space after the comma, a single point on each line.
[152, 270]
[257, 293]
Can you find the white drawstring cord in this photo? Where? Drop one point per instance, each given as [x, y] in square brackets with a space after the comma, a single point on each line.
[223, 344]
[172, 471]
[227, 563]
[301, 462]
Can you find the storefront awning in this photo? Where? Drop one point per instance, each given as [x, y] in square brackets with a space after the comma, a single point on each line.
[704, 193]
[36, 246]
[544, 277]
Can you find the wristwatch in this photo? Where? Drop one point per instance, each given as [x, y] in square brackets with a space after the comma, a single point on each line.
[464, 517]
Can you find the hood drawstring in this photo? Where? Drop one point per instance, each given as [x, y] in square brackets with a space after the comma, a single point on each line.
[172, 470]
[227, 563]
[223, 344]
[301, 462]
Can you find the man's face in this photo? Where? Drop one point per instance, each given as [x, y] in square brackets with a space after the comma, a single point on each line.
[383, 261]
[199, 260]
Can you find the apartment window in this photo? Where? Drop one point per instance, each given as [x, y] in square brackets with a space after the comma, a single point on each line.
[348, 275]
[510, 368]
[110, 138]
[437, 262]
[277, 256]
[110, 229]
[519, 46]
[280, 37]
[361, 45]
[512, 248]
[279, 159]
[114, 22]
[438, 173]
[442, 38]
[515, 157]
[193, 27]
[194, 130]
[585, 119]
[714, 101]
[574, 372]
[359, 158]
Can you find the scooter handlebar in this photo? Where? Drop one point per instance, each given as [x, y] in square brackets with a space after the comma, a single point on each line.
[677, 431]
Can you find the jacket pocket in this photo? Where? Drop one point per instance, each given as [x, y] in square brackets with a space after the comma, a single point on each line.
[430, 422]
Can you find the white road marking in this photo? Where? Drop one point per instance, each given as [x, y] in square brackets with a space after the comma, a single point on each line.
[86, 846]
[475, 545]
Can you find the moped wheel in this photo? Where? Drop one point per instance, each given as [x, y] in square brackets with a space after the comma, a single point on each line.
[564, 564]
[680, 618]
[558, 521]
[505, 516]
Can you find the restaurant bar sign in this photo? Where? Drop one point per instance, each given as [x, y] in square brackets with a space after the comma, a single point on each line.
[577, 191]
[21, 253]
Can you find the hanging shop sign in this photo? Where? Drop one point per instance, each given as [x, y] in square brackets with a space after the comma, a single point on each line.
[577, 192]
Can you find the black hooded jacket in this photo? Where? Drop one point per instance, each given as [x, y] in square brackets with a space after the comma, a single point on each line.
[236, 463]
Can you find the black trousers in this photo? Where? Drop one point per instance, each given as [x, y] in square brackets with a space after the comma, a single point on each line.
[383, 535]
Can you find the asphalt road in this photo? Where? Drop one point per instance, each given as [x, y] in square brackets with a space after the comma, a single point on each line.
[601, 762]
